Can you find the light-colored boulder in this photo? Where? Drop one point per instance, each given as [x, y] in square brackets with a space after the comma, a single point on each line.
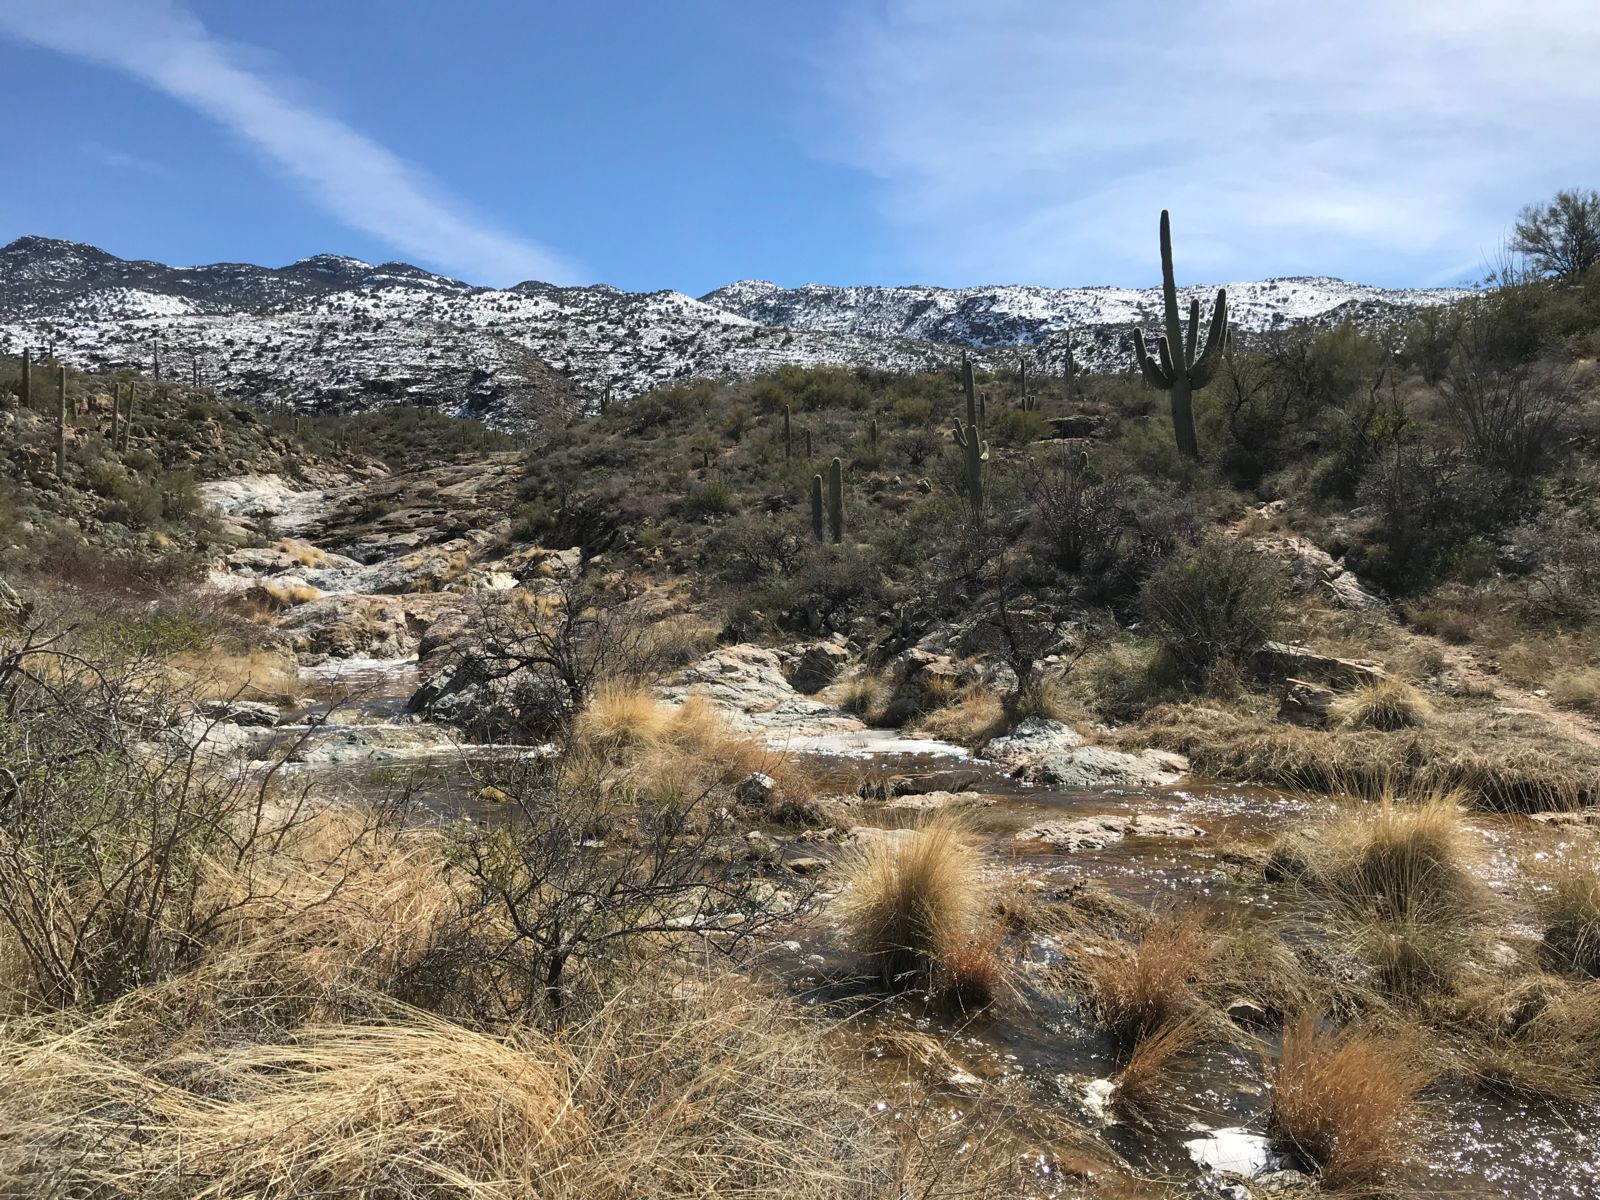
[1096, 833]
[1103, 767]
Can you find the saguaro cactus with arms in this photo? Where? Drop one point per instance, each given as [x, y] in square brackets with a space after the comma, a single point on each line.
[1180, 367]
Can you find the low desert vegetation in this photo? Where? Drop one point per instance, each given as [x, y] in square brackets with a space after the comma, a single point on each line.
[1345, 1102]
[1389, 705]
[912, 900]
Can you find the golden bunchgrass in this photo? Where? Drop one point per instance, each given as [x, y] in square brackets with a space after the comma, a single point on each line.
[909, 897]
[1136, 990]
[1346, 1102]
[1389, 704]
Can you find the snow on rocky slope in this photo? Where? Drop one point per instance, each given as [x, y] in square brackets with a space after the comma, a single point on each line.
[340, 333]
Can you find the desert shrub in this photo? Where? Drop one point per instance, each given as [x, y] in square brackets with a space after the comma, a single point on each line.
[1077, 513]
[1427, 503]
[1345, 1102]
[590, 877]
[1008, 426]
[714, 497]
[1562, 548]
[1508, 415]
[1430, 340]
[1213, 605]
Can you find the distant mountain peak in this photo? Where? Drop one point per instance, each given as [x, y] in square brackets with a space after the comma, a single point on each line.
[334, 331]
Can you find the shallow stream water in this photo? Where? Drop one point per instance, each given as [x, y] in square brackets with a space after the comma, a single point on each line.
[1476, 1144]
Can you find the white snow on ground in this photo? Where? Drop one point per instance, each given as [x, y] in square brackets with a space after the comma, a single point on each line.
[336, 331]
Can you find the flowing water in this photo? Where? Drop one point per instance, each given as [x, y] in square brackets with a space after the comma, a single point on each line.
[1037, 1040]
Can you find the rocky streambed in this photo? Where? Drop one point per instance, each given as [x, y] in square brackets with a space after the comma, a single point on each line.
[1057, 814]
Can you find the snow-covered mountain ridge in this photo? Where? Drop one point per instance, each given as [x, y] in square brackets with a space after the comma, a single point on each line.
[338, 332]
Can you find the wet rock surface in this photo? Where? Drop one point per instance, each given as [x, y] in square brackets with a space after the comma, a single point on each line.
[1096, 833]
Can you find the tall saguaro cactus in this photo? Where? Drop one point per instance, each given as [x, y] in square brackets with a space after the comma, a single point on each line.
[127, 417]
[816, 507]
[1181, 368]
[788, 433]
[836, 500]
[61, 422]
[27, 377]
[975, 450]
[116, 413]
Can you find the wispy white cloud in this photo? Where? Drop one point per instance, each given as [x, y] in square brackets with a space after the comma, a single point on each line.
[1390, 140]
[122, 160]
[348, 174]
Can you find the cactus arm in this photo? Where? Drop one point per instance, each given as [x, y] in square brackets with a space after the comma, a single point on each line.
[1147, 361]
[1217, 339]
[1169, 286]
[1189, 346]
[1168, 367]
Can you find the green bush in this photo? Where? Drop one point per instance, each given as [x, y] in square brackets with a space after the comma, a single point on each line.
[1210, 607]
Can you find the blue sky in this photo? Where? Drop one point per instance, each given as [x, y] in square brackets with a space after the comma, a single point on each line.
[688, 143]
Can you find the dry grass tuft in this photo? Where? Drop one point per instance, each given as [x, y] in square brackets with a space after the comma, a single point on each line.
[1502, 770]
[712, 1095]
[1388, 705]
[1042, 697]
[969, 720]
[969, 973]
[1401, 883]
[865, 694]
[219, 673]
[911, 899]
[1140, 989]
[1568, 900]
[1145, 1085]
[1534, 1036]
[619, 716]
[1346, 1102]
[1577, 688]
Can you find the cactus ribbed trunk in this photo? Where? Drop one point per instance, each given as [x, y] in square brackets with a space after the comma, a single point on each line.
[116, 413]
[27, 378]
[1179, 366]
[836, 500]
[816, 507]
[1182, 396]
[61, 422]
[127, 417]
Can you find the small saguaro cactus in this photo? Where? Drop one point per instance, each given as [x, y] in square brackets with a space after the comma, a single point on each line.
[872, 431]
[1069, 365]
[808, 443]
[975, 450]
[27, 378]
[116, 413]
[127, 417]
[788, 433]
[1181, 368]
[1022, 379]
[816, 507]
[61, 422]
[155, 361]
[836, 500]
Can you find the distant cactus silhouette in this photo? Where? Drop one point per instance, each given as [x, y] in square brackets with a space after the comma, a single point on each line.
[816, 507]
[61, 422]
[27, 378]
[836, 500]
[975, 451]
[1181, 368]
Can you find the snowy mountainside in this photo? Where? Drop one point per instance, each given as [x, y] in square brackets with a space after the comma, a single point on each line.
[339, 333]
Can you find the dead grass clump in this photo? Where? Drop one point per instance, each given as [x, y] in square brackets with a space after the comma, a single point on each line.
[865, 694]
[1577, 688]
[619, 716]
[1145, 1085]
[1139, 989]
[221, 673]
[969, 720]
[1568, 900]
[1497, 769]
[969, 973]
[910, 898]
[1387, 705]
[1535, 1036]
[1402, 890]
[1041, 697]
[1346, 1102]
[713, 1095]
